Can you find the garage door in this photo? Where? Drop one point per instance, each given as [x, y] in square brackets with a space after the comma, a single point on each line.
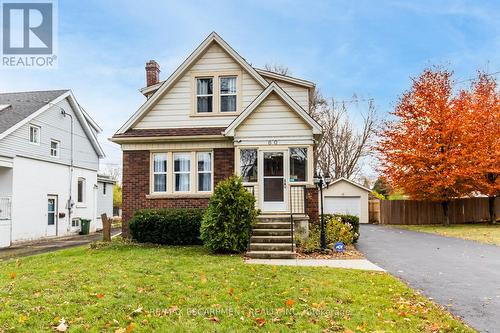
[343, 205]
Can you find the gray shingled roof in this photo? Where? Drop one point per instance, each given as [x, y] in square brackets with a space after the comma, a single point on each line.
[22, 105]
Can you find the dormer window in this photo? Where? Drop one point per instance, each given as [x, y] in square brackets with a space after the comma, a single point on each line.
[204, 94]
[228, 94]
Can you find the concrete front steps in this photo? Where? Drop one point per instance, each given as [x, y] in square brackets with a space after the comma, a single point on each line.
[271, 238]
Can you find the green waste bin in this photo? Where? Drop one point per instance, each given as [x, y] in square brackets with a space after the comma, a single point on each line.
[85, 226]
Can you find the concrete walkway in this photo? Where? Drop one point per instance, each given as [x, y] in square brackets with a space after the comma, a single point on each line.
[462, 275]
[49, 245]
[335, 263]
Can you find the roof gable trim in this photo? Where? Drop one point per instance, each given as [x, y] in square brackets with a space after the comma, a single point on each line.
[213, 37]
[273, 87]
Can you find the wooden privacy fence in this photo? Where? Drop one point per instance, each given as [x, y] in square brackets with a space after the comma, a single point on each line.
[468, 210]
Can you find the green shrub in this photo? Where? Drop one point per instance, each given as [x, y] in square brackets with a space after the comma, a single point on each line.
[174, 226]
[353, 221]
[229, 218]
[337, 231]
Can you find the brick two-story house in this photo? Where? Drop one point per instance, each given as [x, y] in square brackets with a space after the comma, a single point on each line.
[215, 116]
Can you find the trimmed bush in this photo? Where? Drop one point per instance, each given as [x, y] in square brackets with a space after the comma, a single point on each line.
[173, 226]
[353, 221]
[229, 218]
[336, 231]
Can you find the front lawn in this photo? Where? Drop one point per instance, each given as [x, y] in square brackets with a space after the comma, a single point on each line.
[131, 288]
[484, 233]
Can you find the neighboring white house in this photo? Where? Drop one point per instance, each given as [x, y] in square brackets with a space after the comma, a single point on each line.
[343, 196]
[42, 134]
[105, 186]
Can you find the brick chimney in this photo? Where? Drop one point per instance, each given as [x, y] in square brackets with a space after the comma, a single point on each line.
[152, 73]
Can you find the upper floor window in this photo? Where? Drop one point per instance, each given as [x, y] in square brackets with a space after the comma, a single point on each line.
[54, 148]
[204, 94]
[104, 189]
[35, 134]
[228, 94]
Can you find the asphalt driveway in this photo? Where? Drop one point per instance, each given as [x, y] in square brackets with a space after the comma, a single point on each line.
[462, 275]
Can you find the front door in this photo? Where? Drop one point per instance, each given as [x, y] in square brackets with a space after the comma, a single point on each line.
[51, 215]
[274, 181]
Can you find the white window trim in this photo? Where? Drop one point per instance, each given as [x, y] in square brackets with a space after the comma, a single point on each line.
[153, 173]
[39, 129]
[57, 149]
[84, 194]
[216, 75]
[193, 188]
[233, 94]
[211, 171]
[190, 172]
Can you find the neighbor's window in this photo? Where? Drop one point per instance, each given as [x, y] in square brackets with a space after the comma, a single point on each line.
[160, 172]
[182, 171]
[54, 148]
[228, 94]
[104, 188]
[298, 164]
[248, 165]
[204, 94]
[35, 134]
[80, 196]
[204, 171]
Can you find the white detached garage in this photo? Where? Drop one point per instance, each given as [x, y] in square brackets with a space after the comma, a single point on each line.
[343, 196]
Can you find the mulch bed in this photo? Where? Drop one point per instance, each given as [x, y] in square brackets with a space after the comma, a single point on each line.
[350, 253]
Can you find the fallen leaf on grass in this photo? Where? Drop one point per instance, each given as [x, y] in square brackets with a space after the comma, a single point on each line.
[290, 302]
[203, 277]
[100, 295]
[130, 328]
[260, 321]
[22, 319]
[13, 275]
[214, 319]
[231, 291]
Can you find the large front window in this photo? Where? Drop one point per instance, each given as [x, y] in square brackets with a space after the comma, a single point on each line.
[228, 94]
[204, 94]
[160, 172]
[182, 172]
[248, 165]
[204, 171]
[298, 164]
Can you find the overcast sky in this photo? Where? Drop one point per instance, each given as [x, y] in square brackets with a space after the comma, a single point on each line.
[367, 48]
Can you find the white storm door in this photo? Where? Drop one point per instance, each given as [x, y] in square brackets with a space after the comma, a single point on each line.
[51, 217]
[274, 175]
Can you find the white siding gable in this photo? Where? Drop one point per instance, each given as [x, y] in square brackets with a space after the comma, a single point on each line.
[273, 118]
[176, 108]
[53, 127]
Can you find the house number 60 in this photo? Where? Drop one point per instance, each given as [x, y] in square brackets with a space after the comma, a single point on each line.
[272, 142]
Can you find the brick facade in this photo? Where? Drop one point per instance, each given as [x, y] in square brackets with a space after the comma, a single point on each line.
[312, 204]
[136, 183]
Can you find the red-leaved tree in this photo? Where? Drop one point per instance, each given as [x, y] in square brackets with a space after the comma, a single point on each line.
[480, 107]
[422, 151]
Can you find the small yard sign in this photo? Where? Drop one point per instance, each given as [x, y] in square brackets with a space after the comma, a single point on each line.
[339, 247]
